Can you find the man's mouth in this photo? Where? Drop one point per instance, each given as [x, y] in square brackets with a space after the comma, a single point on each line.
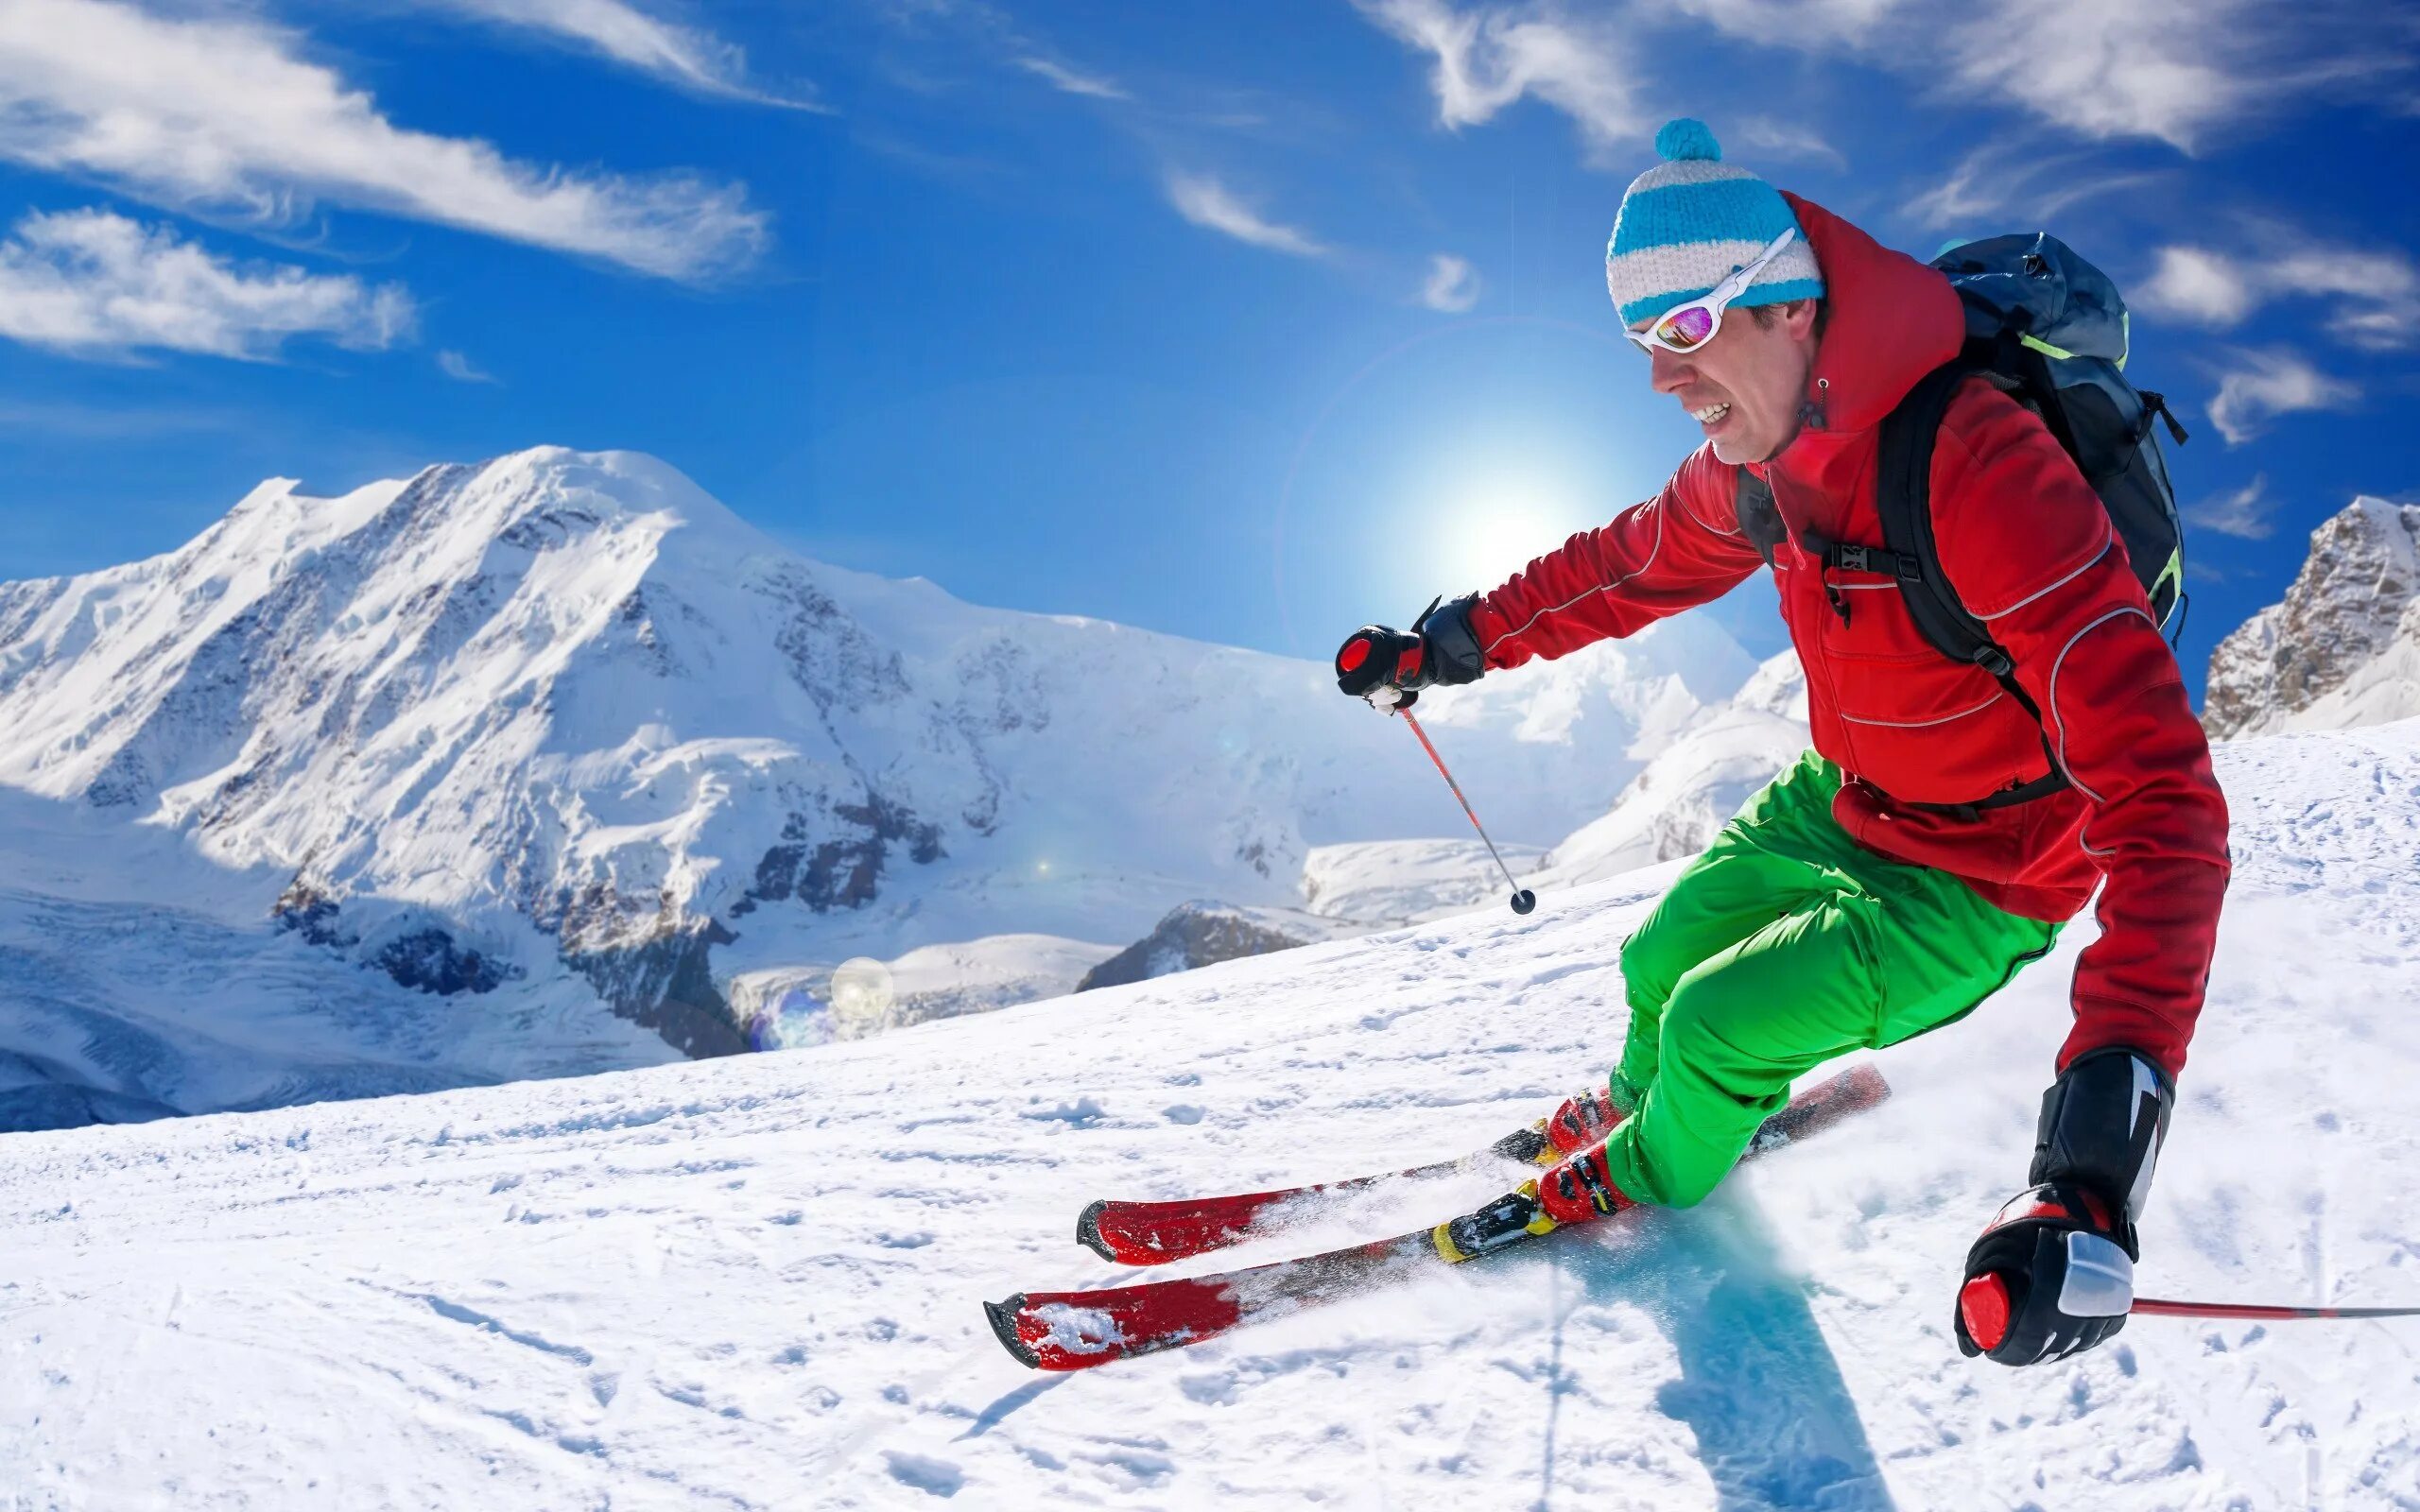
[1711, 414]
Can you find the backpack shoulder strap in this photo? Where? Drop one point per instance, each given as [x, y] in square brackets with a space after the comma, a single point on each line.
[1760, 516]
[1903, 485]
[1903, 494]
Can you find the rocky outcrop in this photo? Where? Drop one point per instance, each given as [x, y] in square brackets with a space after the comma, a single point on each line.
[2344, 648]
[1204, 933]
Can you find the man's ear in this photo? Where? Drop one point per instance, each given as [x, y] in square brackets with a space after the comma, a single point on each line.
[1798, 319]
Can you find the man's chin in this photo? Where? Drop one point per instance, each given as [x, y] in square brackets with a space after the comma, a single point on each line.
[1733, 448]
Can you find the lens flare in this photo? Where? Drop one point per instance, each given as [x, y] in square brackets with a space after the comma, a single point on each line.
[862, 992]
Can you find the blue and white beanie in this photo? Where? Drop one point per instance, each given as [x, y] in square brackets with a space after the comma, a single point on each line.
[1693, 220]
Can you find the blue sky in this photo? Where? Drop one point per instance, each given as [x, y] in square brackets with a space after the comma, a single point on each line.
[1248, 322]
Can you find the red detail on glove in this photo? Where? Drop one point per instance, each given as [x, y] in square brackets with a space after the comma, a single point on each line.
[1355, 652]
[1407, 665]
[2040, 1210]
[1984, 1303]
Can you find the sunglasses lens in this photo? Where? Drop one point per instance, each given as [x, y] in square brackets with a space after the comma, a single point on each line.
[1687, 328]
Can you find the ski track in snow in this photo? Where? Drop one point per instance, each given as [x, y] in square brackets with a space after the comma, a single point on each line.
[754, 1283]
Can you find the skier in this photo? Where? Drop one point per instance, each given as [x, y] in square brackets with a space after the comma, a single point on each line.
[1947, 822]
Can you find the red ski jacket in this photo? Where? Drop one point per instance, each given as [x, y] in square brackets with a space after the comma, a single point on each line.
[2030, 552]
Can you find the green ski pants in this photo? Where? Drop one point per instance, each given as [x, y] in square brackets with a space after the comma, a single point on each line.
[1786, 944]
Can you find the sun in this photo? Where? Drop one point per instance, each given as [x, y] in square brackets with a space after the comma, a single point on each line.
[1493, 526]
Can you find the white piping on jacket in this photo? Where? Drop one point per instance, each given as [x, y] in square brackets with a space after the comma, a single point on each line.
[2060, 662]
[1920, 724]
[1653, 552]
[2061, 583]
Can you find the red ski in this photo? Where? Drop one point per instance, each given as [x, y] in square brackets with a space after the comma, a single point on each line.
[1154, 1233]
[1073, 1330]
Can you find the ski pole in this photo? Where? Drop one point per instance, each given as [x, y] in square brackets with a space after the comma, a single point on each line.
[1984, 1304]
[1523, 899]
[2153, 1307]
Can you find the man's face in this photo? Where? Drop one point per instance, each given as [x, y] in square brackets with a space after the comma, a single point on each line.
[1744, 387]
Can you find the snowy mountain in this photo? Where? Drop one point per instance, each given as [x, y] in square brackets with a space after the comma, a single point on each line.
[1693, 783]
[558, 735]
[2343, 649]
[754, 1283]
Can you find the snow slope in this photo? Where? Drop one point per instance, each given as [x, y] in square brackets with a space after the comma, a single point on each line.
[558, 733]
[754, 1283]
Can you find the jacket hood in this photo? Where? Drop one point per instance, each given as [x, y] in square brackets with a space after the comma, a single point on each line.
[1890, 320]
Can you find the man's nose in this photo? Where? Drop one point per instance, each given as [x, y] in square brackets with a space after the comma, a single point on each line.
[1668, 371]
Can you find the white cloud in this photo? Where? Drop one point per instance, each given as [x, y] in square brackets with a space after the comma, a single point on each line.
[2244, 513]
[1802, 23]
[2000, 180]
[1067, 81]
[2111, 68]
[1491, 56]
[2263, 385]
[2194, 284]
[461, 370]
[2376, 294]
[222, 116]
[1452, 286]
[91, 284]
[1768, 137]
[627, 35]
[2098, 68]
[1207, 202]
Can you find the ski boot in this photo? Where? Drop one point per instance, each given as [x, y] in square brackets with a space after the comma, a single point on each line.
[1585, 1118]
[1578, 1189]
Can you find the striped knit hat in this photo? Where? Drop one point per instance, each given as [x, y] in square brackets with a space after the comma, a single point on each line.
[1692, 221]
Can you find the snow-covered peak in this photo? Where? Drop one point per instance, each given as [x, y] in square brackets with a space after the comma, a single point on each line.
[2344, 648]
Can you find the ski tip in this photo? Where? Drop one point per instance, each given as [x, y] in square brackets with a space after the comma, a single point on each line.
[1003, 1317]
[1088, 1231]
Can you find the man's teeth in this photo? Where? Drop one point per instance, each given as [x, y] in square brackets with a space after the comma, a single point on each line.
[1710, 414]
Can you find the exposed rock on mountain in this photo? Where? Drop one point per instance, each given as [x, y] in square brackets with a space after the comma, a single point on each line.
[1204, 933]
[2344, 648]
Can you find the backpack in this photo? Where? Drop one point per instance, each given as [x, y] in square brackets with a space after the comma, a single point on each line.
[2049, 330]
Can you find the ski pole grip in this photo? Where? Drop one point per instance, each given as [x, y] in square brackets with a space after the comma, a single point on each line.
[1982, 1304]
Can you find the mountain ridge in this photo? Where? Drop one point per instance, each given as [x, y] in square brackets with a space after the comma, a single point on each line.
[563, 715]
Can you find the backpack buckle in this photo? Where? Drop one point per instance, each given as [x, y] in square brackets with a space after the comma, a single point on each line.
[1899, 564]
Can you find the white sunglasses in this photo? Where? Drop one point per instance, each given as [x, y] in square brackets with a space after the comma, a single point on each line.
[1685, 328]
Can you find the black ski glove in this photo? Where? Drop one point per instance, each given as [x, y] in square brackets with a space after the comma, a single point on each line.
[2053, 1272]
[1440, 649]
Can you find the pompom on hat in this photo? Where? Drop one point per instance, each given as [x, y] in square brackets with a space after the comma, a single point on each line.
[1692, 221]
